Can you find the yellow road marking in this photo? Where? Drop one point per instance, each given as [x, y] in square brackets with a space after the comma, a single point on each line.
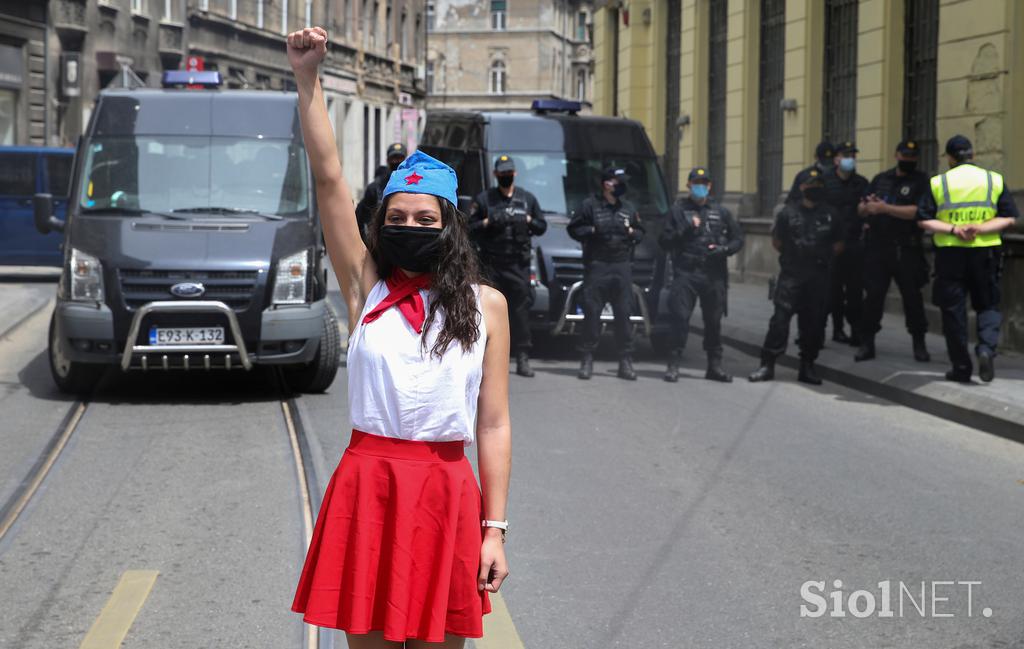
[110, 628]
[499, 631]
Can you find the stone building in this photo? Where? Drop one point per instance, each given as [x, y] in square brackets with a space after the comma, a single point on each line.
[503, 54]
[71, 49]
[748, 88]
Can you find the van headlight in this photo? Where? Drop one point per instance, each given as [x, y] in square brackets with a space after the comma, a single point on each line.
[86, 277]
[290, 280]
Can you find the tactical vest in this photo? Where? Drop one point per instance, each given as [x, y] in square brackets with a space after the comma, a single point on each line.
[713, 230]
[611, 226]
[512, 240]
[966, 195]
[810, 238]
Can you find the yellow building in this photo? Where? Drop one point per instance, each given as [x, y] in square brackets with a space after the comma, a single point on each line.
[749, 87]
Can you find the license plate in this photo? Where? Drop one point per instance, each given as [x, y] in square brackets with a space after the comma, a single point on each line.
[186, 335]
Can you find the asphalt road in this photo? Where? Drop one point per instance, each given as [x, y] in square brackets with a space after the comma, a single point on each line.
[644, 514]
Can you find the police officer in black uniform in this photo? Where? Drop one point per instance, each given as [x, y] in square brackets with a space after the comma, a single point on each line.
[608, 227]
[808, 236]
[844, 190]
[501, 221]
[824, 156]
[893, 250]
[699, 234]
[371, 195]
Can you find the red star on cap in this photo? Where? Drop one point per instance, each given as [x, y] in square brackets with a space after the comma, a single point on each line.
[413, 179]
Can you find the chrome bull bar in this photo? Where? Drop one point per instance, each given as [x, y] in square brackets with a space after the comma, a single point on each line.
[571, 319]
[172, 306]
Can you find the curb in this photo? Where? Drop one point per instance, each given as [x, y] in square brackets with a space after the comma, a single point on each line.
[969, 417]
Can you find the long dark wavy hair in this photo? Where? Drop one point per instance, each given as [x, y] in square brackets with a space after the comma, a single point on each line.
[453, 278]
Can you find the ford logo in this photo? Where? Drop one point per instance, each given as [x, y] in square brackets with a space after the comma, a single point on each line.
[188, 289]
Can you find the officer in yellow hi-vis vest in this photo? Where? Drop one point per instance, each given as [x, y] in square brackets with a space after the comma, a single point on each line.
[966, 210]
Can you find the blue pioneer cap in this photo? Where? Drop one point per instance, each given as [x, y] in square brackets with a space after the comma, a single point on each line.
[422, 174]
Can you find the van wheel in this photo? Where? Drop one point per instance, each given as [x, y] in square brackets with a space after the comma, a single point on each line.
[317, 375]
[70, 377]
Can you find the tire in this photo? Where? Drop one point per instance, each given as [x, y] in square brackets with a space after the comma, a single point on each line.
[318, 374]
[71, 377]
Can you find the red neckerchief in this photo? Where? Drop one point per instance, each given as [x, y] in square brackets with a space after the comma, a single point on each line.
[405, 292]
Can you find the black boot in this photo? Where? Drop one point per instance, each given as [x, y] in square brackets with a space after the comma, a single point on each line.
[986, 366]
[672, 371]
[626, 369]
[766, 372]
[715, 371]
[586, 366]
[921, 354]
[866, 351]
[523, 364]
[808, 374]
[959, 375]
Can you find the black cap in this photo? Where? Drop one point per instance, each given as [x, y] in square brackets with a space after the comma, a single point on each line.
[810, 177]
[615, 173]
[846, 147]
[959, 147]
[908, 148]
[504, 163]
[396, 149]
[699, 174]
[824, 150]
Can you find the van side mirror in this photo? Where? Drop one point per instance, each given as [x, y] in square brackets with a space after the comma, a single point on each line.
[42, 205]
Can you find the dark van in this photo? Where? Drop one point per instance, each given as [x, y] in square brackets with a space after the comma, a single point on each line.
[24, 172]
[559, 156]
[192, 241]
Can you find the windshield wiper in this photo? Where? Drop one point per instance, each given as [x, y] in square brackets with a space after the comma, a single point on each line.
[132, 211]
[226, 210]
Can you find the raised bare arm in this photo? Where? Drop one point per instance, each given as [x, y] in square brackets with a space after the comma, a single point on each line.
[352, 263]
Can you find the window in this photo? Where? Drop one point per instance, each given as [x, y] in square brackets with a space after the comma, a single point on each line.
[403, 37]
[346, 19]
[284, 16]
[259, 13]
[717, 40]
[168, 14]
[499, 16]
[921, 27]
[204, 5]
[138, 6]
[58, 174]
[309, 12]
[417, 38]
[497, 81]
[8, 115]
[581, 85]
[389, 34]
[234, 9]
[372, 23]
[18, 174]
[581, 26]
[840, 100]
[430, 16]
[770, 92]
[430, 77]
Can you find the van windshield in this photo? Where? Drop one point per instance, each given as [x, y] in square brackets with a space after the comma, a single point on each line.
[189, 173]
[560, 184]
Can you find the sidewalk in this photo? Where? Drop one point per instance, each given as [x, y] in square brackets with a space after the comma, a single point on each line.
[995, 407]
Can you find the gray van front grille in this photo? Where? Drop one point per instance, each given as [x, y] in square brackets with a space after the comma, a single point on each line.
[568, 270]
[234, 288]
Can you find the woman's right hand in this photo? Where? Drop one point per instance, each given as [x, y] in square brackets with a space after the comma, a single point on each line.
[306, 49]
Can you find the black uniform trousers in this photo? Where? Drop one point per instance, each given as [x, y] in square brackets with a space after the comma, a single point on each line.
[688, 286]
[512, 278]
[961, 273]
[805, 294]
[847, 290]
[891, 262]
[607, 282]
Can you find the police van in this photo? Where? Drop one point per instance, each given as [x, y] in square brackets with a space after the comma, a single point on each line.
[559, 156]
[192, 240]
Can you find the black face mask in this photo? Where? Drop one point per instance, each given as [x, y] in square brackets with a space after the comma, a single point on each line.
[815, 194]
[506, 181]
[906, 166]
[619, 189]
[411, 247]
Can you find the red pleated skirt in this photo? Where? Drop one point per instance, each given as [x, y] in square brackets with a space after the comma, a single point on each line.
[396, 546]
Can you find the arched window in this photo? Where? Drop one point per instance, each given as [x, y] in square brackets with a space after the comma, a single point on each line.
[497, 84]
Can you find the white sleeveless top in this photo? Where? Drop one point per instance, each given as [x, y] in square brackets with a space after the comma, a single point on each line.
[398, 389]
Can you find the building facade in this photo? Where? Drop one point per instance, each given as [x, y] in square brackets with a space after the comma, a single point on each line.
[69, 50]
[503, 54]
[749, 87]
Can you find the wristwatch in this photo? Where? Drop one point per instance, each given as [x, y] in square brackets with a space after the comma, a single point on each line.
[501, 525]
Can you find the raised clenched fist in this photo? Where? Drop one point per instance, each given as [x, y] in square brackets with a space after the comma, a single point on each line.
[306, 49]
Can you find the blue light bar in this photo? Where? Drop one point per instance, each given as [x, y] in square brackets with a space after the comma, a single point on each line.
[204, 78]
[556, 106]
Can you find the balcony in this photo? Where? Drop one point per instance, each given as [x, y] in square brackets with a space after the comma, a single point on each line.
[171, 39]
[69, 17]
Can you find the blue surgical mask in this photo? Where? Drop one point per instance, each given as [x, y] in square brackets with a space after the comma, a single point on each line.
[699, 191]
[847, 164]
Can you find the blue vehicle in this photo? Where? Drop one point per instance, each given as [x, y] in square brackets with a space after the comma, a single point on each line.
[24, 172]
